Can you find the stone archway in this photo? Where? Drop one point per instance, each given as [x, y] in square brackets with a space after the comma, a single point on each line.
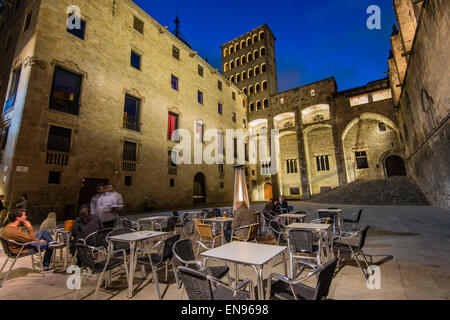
[199, 195]
[395, 166]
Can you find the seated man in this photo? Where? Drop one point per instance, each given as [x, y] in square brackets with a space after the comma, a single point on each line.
[13, 231]
[242, 217]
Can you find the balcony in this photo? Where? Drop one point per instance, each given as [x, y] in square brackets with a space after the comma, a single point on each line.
[129, 166]
[57, 158]
[9, 103]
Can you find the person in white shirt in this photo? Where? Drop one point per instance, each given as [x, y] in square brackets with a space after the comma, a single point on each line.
[110, 204]
[94, 201]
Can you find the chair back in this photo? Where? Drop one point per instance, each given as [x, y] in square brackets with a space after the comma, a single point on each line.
[326, 214]
[183, 249]
[85, 256]
[6, 248]
[118, 245]
[204, 230]
[171, 223]
[196, 284]
[100, 238]
[268, 216]
[168, 246]
[362, 239]
[277, 230]
[300, 240]
[324, 279]
[253, 232]
[126, 223]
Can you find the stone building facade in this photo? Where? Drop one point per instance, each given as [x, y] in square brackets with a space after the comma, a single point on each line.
[99, 104]
[419, 73]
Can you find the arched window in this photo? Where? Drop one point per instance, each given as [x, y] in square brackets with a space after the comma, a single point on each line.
[256, 71]
[261, 35]
[263, 68]
[232, 79]
[264, 85]
[248, 41]
[250, 90]
[244, 75]
[242, 44]
[245, 91]
[231, 65]
[225, 52]
[256, 54]
[252, 107]
[225, 67]
[255, 38]
[231, 49]
[266, 103]
[243, 60]
[238, 62]
[249, 57]
[263, 51]
[257, 88]
[258, 105]
[250, 73]
[238, 77]
[236, 47]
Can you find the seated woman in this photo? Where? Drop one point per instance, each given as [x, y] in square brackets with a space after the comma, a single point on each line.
[282, 205]
[50, 223]
[84, 226]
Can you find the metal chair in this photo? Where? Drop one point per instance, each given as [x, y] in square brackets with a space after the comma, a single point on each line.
[116, 247]
[92, 268]
[200, 286]
[160, 260]
[183, 222]
[14, 257]
[331, 218]
[279, 232]
[168, 225]
[128, 224]
[97, 241]
[352, 222]
[354, 250]
[63, 237]
[252, 234]
[183, 252]
[290, 289]
[205, 233]
[301, 246]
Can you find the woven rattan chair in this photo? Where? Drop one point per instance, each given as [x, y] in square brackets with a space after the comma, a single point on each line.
[200, 286]
[206, 235]
[289, 289]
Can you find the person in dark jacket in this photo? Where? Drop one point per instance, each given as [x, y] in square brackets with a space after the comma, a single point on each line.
[84, 226]
[282, 204]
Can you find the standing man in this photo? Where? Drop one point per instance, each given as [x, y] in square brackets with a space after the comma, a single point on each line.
[110, 204]
[95, 208]
[13, 231]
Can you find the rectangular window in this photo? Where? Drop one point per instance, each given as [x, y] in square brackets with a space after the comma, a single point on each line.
[176, 52]
[129, 151]
[131, 113]
[219, 85]
[66, 89]
[128, 180]
[235, 147]
[174, 83]
[291, 166]
[11, 97]
[138, 25]
[59, 139]
[220, 109]
[200, 97]
[294, 191]
[234, 116]
[27, 21]
[361, 160]
[172, 183]
[265, 168]
[199, 132]
[322, 163]
[74, 30]
[221, 169]
[135, 60]
[244, 123]
[172, 126]
[233, 95]
[54, 177]
[4, 138]
[200, 70]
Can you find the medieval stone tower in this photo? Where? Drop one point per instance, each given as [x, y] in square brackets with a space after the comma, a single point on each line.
[249, 62]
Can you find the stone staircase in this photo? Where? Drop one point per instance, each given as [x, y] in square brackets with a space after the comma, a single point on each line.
[391, 191]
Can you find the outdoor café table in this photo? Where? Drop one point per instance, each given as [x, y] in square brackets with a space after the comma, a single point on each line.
[292, 216]
[133, 238]
[152, 220]
[325, 238]
[251, 254]
[339, 221]
[222, 222]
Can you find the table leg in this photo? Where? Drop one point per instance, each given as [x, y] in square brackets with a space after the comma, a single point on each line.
[260, 284]
[285, 265]
[236, 274]
[132, 265]
[223, 232]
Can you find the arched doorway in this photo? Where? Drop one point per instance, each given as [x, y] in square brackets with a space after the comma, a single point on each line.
[199, 188]
[395, 166]
[268, 191]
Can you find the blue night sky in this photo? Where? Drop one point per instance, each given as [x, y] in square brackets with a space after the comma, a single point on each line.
[315, 39]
